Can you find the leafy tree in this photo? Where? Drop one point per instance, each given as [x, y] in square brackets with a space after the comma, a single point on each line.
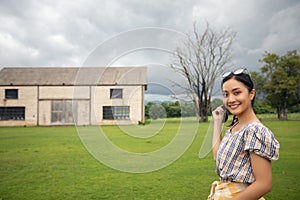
[259, 82]
[279, 80]
[262, 107]
[157, 111]
[188, 110]
[147, 109]
[172, 109]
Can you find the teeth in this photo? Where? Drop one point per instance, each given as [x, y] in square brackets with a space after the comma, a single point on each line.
[233, 106]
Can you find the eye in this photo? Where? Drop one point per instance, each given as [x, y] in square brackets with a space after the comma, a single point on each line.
[225, 95]
[237, 93]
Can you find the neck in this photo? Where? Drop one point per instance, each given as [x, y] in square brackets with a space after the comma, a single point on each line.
[247, 116]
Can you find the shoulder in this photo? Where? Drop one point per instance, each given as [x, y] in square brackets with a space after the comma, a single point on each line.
[256, 125]
[261, 140]
[258, 129]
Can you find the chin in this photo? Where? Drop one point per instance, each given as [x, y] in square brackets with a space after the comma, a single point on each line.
[235, 112]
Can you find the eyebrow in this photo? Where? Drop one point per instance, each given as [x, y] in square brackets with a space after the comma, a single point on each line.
[234, 89]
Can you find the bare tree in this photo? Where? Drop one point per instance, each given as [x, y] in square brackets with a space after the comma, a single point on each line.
[200, 59]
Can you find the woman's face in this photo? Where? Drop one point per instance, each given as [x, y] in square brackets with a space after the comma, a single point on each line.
[236, 97]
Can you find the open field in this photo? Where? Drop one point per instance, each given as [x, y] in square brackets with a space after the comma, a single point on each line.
[52, 163]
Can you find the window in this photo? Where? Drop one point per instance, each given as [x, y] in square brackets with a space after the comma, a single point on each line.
[116, 93]
[116, 112]
[61, 112]
[12, 113]
[11, 94]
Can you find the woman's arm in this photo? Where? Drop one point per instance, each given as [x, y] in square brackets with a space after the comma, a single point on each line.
[262, 170]
[218, 114]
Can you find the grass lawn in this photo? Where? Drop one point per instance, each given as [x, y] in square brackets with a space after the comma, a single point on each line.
[52, 163]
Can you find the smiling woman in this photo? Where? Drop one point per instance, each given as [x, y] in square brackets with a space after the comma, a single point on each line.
[238, 93]
[243, 156]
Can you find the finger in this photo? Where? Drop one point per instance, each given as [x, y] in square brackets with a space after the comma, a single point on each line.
[219, 110]
[222, 107]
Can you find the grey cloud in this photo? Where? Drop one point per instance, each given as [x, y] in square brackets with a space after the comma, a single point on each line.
[284, 30]
[65, 33]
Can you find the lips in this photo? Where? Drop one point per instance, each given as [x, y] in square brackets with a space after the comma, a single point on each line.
[233, 107]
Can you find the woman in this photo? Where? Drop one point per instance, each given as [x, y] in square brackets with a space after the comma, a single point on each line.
[243, 156]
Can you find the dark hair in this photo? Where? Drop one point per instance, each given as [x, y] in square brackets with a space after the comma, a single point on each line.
[246, 80]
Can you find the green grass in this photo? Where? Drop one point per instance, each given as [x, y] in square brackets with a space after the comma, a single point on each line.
[272, 117]
[52, 163]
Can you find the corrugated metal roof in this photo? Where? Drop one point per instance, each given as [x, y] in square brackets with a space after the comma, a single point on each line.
[73, 76]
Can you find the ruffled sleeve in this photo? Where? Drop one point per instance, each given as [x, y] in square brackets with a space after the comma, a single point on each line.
[260, 140]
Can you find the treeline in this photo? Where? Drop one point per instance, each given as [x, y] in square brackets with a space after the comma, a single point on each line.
[169, 109]
[175, 109]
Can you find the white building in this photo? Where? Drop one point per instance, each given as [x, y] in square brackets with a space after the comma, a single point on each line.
[47, 96]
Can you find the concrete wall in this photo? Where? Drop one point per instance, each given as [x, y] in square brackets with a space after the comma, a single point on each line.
[27, 97]
[64, 92]
[87, 101]
[132, 97]
[79, 95]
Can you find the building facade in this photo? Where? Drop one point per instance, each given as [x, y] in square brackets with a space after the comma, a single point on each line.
[72, 96]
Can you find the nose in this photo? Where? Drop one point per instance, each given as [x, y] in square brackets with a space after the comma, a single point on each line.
[230, 99]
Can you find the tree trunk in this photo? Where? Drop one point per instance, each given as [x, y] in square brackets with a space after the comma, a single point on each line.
[278, 110]
[285, 114]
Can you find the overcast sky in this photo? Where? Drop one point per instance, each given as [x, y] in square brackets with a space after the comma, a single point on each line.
[37, 33]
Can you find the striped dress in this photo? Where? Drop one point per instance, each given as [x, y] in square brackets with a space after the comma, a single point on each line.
[233, 164]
